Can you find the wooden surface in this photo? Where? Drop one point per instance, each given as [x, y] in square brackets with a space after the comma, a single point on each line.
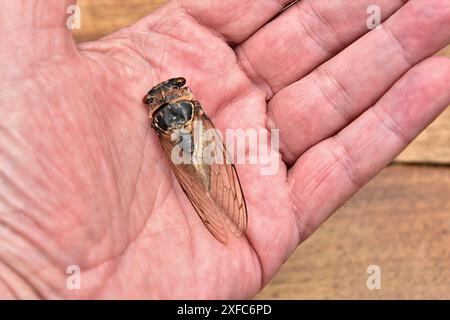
[432, 145]
[101, 17]
[400, 221]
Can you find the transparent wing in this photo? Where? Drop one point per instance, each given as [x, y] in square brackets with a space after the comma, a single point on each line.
[226, 188]
[195, 190]
[213, 189]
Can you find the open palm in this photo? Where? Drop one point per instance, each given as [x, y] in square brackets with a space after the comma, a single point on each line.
[85, 182]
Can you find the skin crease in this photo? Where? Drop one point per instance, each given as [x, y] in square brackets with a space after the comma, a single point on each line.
[83, 180]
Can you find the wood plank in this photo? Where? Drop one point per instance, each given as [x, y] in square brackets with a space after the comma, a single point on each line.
[400, 221]
[432, 145]
[105, 16]
[101, 17]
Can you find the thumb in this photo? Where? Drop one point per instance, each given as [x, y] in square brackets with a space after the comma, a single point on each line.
[35, 28]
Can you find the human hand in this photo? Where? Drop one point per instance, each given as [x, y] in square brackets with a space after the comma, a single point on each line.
[84, 181]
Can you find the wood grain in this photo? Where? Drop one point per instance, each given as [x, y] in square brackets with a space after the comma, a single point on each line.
[400, 221]
[101, 17]
[432, 145]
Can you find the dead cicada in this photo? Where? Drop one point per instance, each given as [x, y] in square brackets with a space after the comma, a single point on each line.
[198, 158]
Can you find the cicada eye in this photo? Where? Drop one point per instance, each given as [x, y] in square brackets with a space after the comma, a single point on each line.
[180, 82]
[148, 99]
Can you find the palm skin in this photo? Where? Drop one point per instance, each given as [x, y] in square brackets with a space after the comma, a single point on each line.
[87, 182]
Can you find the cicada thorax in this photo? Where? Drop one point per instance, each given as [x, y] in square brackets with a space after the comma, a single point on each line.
[181, 124]
[173, 116]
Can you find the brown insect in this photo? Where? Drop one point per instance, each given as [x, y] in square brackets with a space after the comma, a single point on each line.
[198, 158]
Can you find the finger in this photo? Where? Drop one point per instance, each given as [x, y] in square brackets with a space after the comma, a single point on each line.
[235, 20]
[304, 36]
[330, 97]
[34, 17]
[33, 29]
[325, 176]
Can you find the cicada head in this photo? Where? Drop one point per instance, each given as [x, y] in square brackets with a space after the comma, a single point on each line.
[167, 92]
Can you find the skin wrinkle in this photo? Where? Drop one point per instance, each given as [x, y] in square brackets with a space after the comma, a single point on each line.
[315, 180]
[32, 277]
[87, 53]
[312, 34]
[340, 108]
[61, 205]
[325, 22]
[131, 244]
[134, 191]
[9, 289]
[31, 241]
[225, 102]
[286, 153]
[259, 264]
[171, 34]
[21, 274]
[133, 46]
[409, 58]
[220, 36]
[344, 159]
[5, 282]
[113, 46]
[35, 203]
[298, 208]
[33, 66]
[153, 26]
[389, 123]
[114, 265]
[243, 61]
[132, 240]
[57, 263]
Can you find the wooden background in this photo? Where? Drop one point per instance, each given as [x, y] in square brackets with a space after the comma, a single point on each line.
[400, 221]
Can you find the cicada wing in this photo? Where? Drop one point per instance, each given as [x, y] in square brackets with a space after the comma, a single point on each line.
[226, 188]
[194, 188]
[213, 188]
